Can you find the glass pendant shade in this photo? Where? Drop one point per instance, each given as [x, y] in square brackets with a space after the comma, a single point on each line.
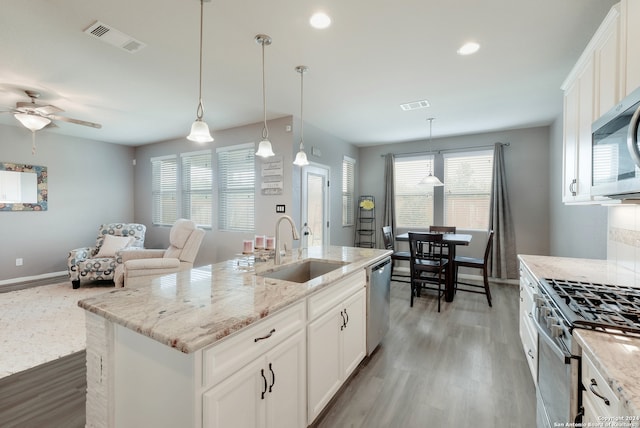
[33, 122]
[200, 132]
[301, 158]
[431, 180]
[264, 149]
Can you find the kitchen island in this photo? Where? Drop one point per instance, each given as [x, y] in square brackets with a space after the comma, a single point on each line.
[166, 351]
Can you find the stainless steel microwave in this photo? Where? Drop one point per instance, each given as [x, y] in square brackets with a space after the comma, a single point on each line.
[615, 167]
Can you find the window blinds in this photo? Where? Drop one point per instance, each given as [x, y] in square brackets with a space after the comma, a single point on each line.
[413, 201]
[348, 191]
[164, 189]
[197, 187]
[236, 187]
[467, 189]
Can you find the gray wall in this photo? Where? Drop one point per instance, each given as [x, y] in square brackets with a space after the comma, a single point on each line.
[89, 184]
[576, 230]
[527, 169]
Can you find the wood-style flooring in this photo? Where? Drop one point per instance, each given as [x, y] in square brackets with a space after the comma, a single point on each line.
[462, 367]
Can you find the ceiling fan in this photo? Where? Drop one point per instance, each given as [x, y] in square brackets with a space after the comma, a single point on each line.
[36, 116]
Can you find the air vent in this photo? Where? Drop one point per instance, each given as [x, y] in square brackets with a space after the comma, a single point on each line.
[114, 37]
[415, 105]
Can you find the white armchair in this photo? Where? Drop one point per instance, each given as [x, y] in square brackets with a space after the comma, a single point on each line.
[184, 239]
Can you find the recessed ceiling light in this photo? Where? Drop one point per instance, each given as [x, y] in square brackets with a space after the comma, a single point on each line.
[468, 48]
[320, 20]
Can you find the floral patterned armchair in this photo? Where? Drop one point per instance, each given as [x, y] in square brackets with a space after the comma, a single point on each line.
[99, 262]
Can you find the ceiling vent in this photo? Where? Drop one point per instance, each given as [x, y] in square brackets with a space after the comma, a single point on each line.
[114, 37]
[415, 105]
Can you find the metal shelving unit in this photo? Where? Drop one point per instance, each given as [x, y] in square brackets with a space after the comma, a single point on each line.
[366, 222]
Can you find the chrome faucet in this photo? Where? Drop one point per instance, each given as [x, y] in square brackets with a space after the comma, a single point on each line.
[294, 232]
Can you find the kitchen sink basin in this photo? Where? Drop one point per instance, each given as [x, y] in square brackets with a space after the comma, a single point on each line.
[304, 271]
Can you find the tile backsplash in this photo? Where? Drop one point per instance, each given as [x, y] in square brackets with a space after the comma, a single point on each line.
[623, 237]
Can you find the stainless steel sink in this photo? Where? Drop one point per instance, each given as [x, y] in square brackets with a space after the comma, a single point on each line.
[303, 271]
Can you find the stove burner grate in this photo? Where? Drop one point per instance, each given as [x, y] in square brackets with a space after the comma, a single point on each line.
[600, 306]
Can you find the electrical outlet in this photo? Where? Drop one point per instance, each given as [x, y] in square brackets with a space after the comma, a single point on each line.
[280, 208]
[19, 262]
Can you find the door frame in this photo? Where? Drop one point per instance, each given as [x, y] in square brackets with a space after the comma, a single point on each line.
[324, 170]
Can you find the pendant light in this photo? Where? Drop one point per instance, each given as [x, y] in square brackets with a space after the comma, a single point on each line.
[199, 129]
[431, 180]
[301, 157]
[264, 148]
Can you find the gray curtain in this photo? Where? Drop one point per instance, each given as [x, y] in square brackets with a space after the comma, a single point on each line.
[504, 263]
[389, 197]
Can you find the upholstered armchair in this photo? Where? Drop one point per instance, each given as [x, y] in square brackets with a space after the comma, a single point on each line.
[99, 262]
[184, 242]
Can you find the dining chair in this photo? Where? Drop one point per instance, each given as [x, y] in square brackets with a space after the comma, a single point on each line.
[443, 229]
[427, 265]
[389, 244]
[476, 263]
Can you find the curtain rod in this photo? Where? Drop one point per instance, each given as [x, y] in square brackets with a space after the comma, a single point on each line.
[459, 149]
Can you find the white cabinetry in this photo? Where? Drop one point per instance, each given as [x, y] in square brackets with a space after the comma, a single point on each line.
[630, 46]
[591, 89]
[268, 392]
[528, 332]
[601, 405]
[336, 340]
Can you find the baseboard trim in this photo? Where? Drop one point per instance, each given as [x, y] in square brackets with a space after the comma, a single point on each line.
[33, 278]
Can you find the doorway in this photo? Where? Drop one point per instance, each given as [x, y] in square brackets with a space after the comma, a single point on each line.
[315, 203]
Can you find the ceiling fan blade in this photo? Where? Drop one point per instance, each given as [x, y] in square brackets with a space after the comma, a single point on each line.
[46, 110]
[76, 121]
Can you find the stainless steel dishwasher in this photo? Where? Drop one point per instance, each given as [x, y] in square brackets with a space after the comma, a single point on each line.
[378, 300]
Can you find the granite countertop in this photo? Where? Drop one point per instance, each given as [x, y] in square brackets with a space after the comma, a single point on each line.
[575, 269]
[617, 359]
[195, 308]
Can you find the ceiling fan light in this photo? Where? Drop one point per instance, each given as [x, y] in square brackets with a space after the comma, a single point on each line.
[32, 122]
[200, 132]
[264, 149]
[301, 158]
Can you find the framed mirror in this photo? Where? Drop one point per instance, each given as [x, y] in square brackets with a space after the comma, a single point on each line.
[23, 187]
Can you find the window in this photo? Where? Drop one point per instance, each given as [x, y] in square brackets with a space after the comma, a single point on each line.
[413, 201]
[236, 187]
[164, 188]
[467, 189]
[197, 187]
[348, 191]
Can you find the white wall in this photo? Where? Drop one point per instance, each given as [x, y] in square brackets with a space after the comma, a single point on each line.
[89, 184]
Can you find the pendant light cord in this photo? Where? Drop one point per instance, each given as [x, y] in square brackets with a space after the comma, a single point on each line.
[301, 108]
[200, 111]
[265, 130]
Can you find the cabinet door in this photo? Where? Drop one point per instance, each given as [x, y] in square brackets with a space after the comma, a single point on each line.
[354, 334]
[631, 35]
[570, 144]
[585, 119]
[324, 374]
[238, 401]
[608, 64]
[286, 400]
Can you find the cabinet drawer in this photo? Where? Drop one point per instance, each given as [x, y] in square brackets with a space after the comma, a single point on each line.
[324, 300]
[227, 357]
[594, 404]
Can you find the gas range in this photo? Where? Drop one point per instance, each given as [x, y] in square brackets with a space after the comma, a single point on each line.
[604, 307]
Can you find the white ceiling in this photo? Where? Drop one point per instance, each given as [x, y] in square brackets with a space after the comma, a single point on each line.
[376, 55]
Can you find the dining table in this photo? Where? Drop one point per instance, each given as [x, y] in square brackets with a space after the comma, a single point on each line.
[452, 240]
